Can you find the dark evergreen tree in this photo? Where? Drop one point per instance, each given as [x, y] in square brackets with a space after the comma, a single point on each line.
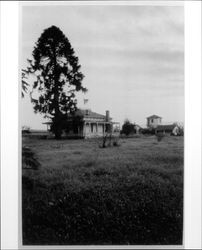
[29, 159]
[127, 128]
[24, 83]
[58, 77]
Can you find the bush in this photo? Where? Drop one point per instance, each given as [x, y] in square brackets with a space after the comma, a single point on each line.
[116, 141]
[160, 136]
[128, 128]
[147, 131]
[29, 159]
[26, 130]
[108, 140]
[115, 144]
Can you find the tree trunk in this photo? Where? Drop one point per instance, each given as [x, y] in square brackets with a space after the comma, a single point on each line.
[57, 126]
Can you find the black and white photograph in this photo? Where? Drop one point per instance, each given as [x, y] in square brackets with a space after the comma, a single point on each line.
[102, 124]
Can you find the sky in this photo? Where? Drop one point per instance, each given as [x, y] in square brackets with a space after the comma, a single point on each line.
[132, 57]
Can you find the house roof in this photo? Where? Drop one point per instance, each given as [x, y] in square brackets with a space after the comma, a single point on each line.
[85, 114]
[153, 116]
[166, 127]
[89, 114]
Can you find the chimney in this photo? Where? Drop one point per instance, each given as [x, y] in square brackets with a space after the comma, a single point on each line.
[87, 111]
[107, 116]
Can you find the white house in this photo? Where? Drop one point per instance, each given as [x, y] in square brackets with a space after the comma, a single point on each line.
[153, 121]
[90, 124]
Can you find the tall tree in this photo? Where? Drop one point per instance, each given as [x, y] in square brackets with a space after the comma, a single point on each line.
[29, 159]
[58, 77]
[127, 128]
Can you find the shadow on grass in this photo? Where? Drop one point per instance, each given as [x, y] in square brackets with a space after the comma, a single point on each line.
[138, 212]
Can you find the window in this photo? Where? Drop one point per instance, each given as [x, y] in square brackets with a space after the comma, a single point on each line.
[91, 127]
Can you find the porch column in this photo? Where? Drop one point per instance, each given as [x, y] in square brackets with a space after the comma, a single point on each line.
[86, 124]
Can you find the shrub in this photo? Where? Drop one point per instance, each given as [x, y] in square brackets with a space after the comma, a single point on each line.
[26, 130]
[106, 141]
[29, 159]
[128, 128]
[116, 142]
[147, 131]
[160, 136]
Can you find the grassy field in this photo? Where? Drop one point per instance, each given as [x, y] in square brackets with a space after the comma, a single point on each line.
[84, 194]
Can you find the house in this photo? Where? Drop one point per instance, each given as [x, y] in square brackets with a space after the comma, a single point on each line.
[153, 121]
[89, 124]
[168, 129]
[155, 126]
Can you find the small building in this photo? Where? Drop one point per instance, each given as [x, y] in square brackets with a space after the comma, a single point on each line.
[172, 129]
[153, 121]
[90, 124]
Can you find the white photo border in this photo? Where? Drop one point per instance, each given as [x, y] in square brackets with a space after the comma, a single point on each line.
[10, 151]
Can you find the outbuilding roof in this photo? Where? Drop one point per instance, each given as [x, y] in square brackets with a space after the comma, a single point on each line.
[166, 127]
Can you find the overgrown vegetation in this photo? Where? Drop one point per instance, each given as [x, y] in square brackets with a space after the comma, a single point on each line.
[109, 140]
[29, 159]
[82, 194]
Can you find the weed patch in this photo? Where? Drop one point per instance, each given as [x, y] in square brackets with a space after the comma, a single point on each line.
[101, 172]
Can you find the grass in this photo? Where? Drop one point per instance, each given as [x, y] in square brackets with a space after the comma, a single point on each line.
[83, 194]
